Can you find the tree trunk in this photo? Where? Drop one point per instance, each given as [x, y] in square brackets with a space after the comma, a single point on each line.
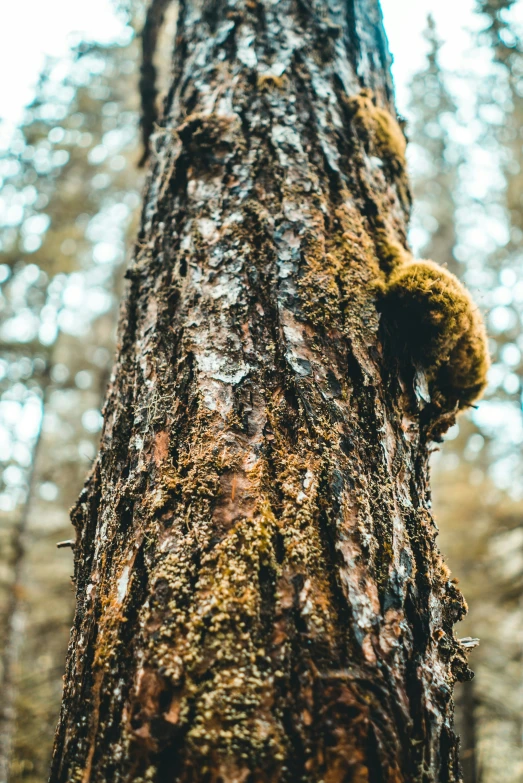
[466, 719]
[259, 593]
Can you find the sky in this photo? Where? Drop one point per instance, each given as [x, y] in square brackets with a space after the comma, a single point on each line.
[55, 24]
[32, 29]
[405, 21]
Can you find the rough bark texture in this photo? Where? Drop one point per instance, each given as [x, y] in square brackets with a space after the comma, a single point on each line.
[260, 596]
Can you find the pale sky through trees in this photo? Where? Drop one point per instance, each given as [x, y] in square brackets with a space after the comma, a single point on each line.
[49, 27]
[30, 30]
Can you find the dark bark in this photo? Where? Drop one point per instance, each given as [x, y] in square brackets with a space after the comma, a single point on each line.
[148, 88]
[259, 593]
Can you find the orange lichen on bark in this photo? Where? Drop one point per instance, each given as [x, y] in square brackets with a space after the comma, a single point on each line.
[268, 81]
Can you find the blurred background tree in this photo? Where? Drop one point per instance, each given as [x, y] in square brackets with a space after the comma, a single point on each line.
[468, 196]
[69, 194]
[68, 200]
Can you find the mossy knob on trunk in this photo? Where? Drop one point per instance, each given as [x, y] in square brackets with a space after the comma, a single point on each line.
[379, 128]
[434, 322]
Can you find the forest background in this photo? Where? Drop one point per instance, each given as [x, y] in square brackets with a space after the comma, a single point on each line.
[69, 196]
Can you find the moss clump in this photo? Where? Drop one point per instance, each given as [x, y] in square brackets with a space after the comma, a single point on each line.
[339, 265]
[269, 81]
[390, 252]
[433, 319]
[380, 129]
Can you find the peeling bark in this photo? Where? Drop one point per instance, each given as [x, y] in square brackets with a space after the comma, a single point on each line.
[259, 592]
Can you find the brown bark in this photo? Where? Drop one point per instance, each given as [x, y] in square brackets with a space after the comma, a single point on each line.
[259, 593]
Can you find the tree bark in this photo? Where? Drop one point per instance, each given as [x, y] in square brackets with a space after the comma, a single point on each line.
[259, 593]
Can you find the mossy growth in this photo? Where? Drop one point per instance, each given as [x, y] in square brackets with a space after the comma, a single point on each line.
[390, 252]
[269, 81]
[380, 129]
[434, 323]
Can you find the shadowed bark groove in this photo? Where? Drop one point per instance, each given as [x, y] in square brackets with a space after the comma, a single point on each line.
[260, 596]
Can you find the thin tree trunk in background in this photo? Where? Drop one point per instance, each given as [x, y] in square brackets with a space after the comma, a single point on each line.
[259, 593]
[14, 628]
[15, 618]
[466, 719]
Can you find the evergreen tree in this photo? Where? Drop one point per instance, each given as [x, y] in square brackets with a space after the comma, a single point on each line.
[67, 199]
[478, 529]
[435, 156]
